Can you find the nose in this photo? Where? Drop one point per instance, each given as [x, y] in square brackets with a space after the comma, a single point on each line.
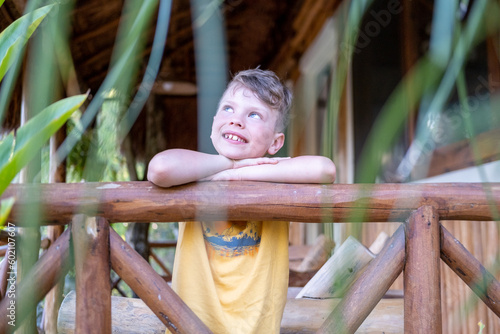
[236, 120]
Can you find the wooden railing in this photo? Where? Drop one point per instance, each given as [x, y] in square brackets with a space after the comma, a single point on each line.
[416, 247]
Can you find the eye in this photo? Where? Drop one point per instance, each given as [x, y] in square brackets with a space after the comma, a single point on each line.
[228, 109]
[255, 115]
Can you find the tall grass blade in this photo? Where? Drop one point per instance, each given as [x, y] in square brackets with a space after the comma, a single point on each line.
[33, 135]
[118, 76]
[15, 36]
[354, 18]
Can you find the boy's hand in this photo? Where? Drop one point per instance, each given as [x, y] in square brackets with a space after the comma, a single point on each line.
[235, 173]
[225, 175]
[256, 161]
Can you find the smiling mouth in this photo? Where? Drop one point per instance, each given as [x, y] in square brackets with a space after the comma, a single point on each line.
[234, 137]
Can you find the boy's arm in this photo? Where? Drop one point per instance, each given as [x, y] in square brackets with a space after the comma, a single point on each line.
[178, 166]
[302, 169]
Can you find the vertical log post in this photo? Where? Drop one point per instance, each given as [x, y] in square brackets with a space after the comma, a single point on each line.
[470, 270]
[369, 288]
[54, 297]
[422, 289]
[152, 288]
[93, 286]
[57, 173]
[42, 277]
[4, 270]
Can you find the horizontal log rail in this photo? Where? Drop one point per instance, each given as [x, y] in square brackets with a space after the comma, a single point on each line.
[422, 206]
[144, 202]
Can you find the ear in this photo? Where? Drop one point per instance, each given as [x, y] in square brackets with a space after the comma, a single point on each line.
[279, 140]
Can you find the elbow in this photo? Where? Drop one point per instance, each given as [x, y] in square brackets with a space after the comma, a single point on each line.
[158, 172]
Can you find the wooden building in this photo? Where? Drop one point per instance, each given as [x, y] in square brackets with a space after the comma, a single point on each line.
[345, 96]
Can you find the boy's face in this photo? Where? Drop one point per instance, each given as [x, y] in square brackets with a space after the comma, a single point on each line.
[244, 126]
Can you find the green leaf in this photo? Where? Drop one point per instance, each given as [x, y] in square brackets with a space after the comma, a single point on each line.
[33, 135]
[6, 147]
[1, 3]
[15, 36]
[5, 208]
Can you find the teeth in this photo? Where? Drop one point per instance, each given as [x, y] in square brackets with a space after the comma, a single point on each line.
[233, 137]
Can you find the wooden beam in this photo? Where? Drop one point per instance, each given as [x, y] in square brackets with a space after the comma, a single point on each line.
[152, 288]
[334, 278]
[130, 315]
[422, 302]
[460, 154]
[93, 286]
[54, 297]
[163, 244]
[492, 47]
[470, 270]
[410, 56]
[4, 274]
[141, 201]
[42, 277]
[307, 315]
[306, 26]
[369, 288]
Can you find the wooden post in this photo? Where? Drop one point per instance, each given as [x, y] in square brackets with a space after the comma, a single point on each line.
[152, 288]
[93, 286]
[369, 288]
[470, 270]
[57, 173]
[42, 277]
[4, 270]
[422, 285]
[54, 297]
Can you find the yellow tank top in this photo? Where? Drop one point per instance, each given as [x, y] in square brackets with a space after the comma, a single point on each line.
[233, 275]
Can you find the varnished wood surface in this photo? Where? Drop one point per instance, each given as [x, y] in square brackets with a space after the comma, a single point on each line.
[145, 202]
[39, 280]
[422, 290]
[367, 291]
[152, 288]
[93, 287]
[470, 270]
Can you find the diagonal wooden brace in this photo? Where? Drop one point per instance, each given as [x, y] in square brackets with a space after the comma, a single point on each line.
[369, 288]
[470, 270]
[39, 280]
[152, 288]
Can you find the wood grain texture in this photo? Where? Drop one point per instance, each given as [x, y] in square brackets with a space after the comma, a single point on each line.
[470, 270]
[93, 286]
[368, 289]
[144, 202]
[40, 279]
[337, 274]
[132, 315]
[305, 316]
[152, 288]
[422, 287]
[129, 316]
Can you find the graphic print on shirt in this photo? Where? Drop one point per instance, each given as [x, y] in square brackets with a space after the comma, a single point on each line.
[230, 239]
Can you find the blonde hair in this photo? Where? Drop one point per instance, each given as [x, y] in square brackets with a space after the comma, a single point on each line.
[269, 89]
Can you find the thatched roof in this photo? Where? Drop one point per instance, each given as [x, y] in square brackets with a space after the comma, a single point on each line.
[270, 34]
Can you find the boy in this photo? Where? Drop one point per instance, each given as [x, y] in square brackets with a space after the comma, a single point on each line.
[236, 281]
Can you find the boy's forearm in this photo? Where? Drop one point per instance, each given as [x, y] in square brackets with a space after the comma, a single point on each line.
[303, 169]
[177, 166]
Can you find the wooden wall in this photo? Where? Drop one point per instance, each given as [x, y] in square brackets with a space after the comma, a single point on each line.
[461, 308]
